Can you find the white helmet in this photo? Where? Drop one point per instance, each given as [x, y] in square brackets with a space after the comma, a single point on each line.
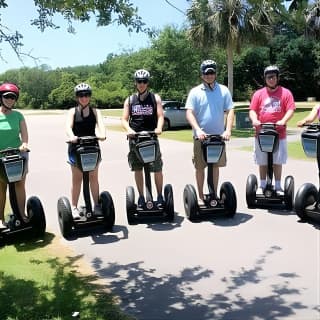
[142, 74]
[271, 69]
[83, 88]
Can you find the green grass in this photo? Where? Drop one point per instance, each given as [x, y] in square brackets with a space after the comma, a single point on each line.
[35, 284]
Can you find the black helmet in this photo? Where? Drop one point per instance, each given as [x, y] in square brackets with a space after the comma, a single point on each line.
[208, 65]
[271, 69]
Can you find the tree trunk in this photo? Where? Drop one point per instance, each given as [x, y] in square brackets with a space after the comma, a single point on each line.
[230, 65]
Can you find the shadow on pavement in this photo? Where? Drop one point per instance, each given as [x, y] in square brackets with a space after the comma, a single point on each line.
[149, 296]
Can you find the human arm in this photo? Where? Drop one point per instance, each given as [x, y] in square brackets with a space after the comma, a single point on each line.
[100, 128]
[288, 115]
[194, 124]
[312, 116]
[254, 118]
[24, 135]
[69, 126]
[125, 118]
[229, 123]
[160, 116]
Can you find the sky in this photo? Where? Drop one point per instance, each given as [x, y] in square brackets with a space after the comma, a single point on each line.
[90, 45]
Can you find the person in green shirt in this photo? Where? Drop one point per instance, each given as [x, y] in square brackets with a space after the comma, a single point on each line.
[13, 134]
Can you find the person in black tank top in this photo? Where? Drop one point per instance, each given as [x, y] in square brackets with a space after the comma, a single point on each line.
[83, 120]
[143, 112]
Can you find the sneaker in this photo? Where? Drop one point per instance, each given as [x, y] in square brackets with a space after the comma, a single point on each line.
[279, 189]
[141, 202]
[160, 201]
[76, 213]
[201, 202]
[97, 210]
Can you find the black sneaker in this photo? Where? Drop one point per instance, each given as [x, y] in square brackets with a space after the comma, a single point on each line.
[160, 201]
[141, 202]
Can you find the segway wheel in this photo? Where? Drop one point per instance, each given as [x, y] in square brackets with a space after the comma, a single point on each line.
[289, 192]
[108, 211]
[190, 202]
[251, 190]
[169, 205]
[307, 195]
[36, 215]
[229, 198]
[130, 205]
[65, 217]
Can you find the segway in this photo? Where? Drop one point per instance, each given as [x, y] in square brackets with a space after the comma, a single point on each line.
[12, 170]
[226, 204]
[87, 152]
[268, 139]
[307, 200]
[146, 147]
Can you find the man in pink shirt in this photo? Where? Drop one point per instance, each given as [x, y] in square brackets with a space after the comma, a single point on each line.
[274, 104]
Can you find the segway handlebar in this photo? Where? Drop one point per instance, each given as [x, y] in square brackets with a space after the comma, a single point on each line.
[212, 136]
[85, 140]
[12, 151]
[142, 134]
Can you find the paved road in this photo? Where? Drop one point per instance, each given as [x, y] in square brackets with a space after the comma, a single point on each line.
[259, 265]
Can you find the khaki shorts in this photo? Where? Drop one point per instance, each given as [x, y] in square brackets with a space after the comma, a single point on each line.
[198, 159]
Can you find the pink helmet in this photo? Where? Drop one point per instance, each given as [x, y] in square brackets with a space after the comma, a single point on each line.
[9, 87]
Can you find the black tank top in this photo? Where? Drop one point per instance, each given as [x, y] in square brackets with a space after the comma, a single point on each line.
[143, 114]
[84, 126]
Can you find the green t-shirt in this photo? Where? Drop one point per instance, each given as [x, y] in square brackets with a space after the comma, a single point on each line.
[10, 130]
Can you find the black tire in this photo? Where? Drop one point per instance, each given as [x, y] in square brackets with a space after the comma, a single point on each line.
[166, 125]
[130, 205]
[289, 192]
[169, 204]
[190, 202]
[307, 195]
[251, 191]
[36, 215]
[65, 217]
[108, 210]
[229, 197]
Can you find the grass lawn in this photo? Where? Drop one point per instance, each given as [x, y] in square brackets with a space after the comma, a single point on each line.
[41, 280]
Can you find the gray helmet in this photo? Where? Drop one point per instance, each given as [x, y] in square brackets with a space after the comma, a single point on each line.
[142, 74]
[82, 88]
[271, 69]
[208, 65]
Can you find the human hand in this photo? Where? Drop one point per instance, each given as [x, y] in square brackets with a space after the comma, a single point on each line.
[157, 131]
[226, 135]
[280, 123]
[256, 123]
[24, 147]
[201, 135]
[301, 123]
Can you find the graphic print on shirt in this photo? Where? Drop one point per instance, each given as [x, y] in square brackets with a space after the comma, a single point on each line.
[142, 110]
[271, 105]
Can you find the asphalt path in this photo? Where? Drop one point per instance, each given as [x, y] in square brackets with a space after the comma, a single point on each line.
[259, 265]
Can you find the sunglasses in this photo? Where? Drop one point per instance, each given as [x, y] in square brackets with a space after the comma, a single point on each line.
[271, 77]
[10, 96]
[142, 81]
[81, 95]
[209, 72]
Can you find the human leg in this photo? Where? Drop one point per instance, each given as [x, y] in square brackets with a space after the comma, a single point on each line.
[76, 185]
[94, 185]
[3, 197]
[21, 196]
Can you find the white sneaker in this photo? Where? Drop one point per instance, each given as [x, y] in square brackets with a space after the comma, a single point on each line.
[76, 213]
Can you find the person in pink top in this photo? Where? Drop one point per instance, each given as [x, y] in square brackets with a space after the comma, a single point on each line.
[311, 117]
[272, 104]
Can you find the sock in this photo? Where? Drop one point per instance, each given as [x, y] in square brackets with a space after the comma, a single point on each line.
[278, 185]
[263, 183]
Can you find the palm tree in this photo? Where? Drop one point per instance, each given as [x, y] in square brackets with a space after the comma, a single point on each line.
[230, 24]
